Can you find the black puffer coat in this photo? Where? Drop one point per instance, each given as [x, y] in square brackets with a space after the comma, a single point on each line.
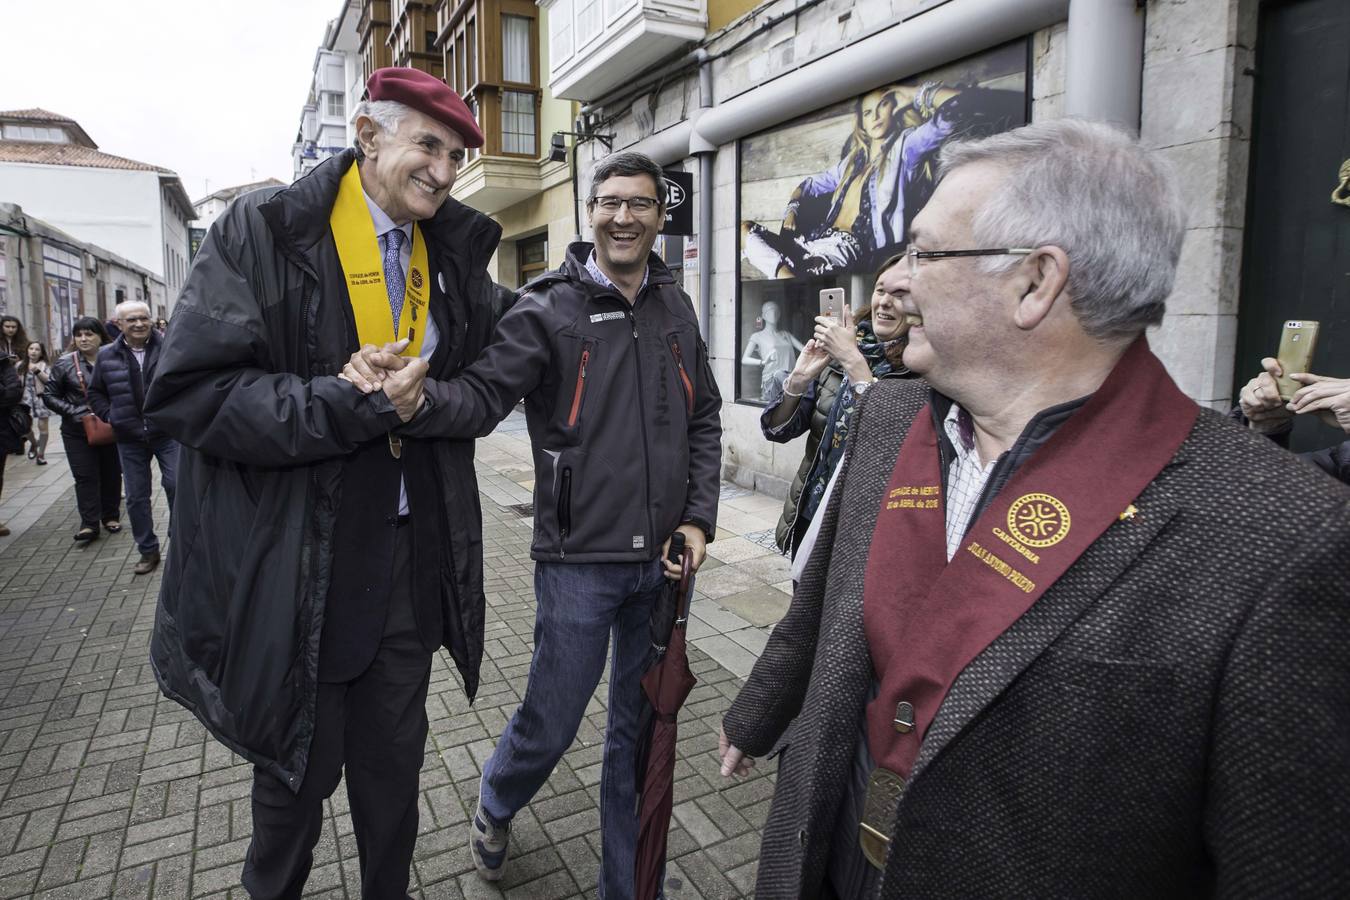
[117, 392]
[247, 383]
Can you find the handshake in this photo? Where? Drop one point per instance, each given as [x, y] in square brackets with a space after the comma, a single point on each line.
[401, 378]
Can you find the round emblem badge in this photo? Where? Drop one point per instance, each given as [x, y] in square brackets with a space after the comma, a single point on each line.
[415, 276]
[1038, 520]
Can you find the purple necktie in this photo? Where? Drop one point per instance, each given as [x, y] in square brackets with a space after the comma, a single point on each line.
[393, 273]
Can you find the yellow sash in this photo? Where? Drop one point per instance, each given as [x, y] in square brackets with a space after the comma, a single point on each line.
[359, 249]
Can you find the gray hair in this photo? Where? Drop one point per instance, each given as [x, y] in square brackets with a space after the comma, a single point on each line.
[386, 114]
[125, 306]
[628, 162]
[1092, 191]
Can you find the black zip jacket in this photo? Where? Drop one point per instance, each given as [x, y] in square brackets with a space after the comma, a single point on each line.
[623, 412]
[247, 383]
[117, 391]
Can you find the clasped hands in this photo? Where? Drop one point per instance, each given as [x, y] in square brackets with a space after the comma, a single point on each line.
[402, 378]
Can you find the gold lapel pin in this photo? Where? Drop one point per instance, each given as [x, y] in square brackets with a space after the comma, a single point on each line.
[1130, 512]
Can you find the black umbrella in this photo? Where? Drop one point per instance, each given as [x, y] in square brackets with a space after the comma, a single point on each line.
[666, 684]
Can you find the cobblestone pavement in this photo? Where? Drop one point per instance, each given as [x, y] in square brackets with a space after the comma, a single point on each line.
[107, 789]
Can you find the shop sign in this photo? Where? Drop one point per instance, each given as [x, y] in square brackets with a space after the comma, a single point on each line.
[679, 203]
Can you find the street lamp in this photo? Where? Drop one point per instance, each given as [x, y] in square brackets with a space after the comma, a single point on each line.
[557, 148]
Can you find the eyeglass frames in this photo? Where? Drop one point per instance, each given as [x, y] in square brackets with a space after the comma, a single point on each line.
[636, 205]
[913, 255]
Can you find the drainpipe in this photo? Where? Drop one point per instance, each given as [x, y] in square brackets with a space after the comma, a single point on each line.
[705, 206]
[1103, 73]
[576, 201]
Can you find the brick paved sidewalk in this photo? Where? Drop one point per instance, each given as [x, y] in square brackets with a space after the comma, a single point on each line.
[108, 789]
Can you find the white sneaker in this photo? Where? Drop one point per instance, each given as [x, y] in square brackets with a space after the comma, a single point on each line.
[488, 843]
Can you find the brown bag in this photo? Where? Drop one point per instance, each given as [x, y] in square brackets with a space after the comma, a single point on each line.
[97, 433]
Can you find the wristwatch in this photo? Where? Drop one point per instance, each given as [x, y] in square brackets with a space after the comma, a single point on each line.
[860, 388]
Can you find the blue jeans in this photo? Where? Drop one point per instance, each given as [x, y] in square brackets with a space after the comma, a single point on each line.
[136, 477]
[578, 608]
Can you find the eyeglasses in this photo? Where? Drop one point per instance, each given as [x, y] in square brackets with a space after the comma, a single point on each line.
[636, 205]
[913, 254]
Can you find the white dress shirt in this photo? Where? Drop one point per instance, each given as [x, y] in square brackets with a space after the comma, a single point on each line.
[966, 477]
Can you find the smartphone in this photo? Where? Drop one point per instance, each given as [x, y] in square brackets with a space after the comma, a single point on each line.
[1298, 340]
[832, 303]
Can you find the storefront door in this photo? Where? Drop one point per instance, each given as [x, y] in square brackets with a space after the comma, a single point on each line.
[1296, 262]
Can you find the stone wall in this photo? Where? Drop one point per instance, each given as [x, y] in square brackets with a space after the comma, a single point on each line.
[1197, 112]
[551, 209]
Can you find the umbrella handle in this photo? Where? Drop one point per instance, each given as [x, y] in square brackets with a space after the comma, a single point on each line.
[686, 580]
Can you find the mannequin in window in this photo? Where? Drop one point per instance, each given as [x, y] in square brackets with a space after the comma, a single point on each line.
[775, 351]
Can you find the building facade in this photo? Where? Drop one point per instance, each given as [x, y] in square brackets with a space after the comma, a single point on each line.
[337, 86]
[769, 107]
[49, 278]
[496, 58]
[412, 36]
[139, 211]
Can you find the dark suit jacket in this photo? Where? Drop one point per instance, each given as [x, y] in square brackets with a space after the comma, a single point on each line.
[363, 536]
[1172, 717]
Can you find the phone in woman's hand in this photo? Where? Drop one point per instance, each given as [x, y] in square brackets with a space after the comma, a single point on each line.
[832, 303]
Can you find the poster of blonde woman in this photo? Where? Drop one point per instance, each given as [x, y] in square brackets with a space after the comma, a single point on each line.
[830, 196]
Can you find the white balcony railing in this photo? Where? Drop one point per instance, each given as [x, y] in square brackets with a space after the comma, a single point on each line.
[596, 46]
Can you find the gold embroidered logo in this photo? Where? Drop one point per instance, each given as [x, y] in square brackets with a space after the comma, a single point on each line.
[415, 276]
[1038, 520]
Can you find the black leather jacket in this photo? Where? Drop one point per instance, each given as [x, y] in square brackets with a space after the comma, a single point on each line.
[65, 396]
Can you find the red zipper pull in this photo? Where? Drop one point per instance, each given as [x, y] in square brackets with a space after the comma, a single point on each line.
[580, 389]
[684, 376]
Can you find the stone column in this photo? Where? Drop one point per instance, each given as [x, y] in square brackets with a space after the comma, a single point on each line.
[1197, 112]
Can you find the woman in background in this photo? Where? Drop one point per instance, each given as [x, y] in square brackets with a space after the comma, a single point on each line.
[819, 396]
[13, 339]
[35, 373]
[11, 439]
[96, 470]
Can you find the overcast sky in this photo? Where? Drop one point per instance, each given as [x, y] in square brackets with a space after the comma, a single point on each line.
[210, 89]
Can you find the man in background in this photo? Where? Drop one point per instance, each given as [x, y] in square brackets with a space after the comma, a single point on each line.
[117, 395]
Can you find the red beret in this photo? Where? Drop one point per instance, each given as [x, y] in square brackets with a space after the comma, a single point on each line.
[426, 94]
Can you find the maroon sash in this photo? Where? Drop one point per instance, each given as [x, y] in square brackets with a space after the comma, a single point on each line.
[925, 618]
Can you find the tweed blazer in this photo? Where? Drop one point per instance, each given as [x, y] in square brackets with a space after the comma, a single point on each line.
[1170, 719]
